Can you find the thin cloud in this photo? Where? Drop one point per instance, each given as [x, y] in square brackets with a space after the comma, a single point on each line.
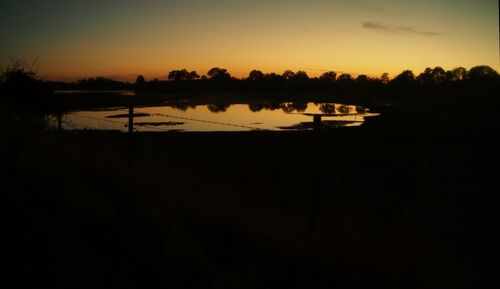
[398, 29]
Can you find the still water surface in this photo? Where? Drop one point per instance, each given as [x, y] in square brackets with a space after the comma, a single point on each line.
[212, 117]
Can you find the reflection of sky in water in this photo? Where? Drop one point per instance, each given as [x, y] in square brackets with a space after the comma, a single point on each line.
[237, 117]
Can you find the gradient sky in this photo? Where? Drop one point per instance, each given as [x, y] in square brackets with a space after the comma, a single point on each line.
[121, 39]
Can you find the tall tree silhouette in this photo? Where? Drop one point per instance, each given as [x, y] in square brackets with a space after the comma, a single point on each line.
[20, 87]
[456, 74]
[288, 75]
[384, 78]
[345, 78]
[140, 82]
[193, 75]
[329, 76]
[362, 79]
[255, 75]
[183, 74]
[432, 76]
[301, 76]
[406, 76]
[217, 73]
[482, 73]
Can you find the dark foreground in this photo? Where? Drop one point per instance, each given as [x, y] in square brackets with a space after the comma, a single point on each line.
[370, 207]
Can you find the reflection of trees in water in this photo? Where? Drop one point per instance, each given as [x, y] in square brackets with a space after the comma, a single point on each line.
[299, 106]
[272, 106]
[327, 108]
[345, 109]
[360, 109]
[287, 107]
[183, 106]
[255, 107]
[218, 107]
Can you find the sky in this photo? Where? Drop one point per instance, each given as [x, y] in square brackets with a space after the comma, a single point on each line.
[72, 39]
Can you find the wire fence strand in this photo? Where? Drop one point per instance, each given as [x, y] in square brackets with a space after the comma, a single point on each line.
[207, 121]
[166, 116]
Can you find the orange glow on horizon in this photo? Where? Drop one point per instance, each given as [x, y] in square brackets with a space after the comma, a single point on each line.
[354, 37]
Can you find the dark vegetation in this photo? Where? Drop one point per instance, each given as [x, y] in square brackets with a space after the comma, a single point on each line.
[434, 85]
[406, 201]
[220, 80]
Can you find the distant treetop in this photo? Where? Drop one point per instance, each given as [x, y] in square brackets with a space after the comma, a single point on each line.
[217, 73]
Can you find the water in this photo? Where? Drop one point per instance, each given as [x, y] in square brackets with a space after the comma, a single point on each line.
[236, 117]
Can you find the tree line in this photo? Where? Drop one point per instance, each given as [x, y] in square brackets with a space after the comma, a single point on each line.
[330, 81]
[434, 75]
[19, 77]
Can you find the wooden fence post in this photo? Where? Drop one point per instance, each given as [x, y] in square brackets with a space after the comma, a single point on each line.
[130, 117]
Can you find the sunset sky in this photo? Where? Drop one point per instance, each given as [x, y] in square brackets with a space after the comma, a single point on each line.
[121, 39]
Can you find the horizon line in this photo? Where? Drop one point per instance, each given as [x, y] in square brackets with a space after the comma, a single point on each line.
[131, 77]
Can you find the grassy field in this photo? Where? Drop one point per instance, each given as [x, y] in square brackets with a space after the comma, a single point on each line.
[387, 205]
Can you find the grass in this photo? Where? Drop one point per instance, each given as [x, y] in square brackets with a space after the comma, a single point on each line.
[370, 207]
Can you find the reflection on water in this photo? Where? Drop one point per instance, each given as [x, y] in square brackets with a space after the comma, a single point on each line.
[222, 117]
[215, 108]
[94, 92]
[327, 108]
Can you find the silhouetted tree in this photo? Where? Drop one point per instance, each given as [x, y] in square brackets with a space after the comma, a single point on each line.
[101, 83]
[301, 76]
[329, 75]
[273, 76]
[288, 75]
[140, 80]
[183, 74]
[218, 74]
[18, 76]
[404, 77]
[404, 82]
[482, 73]
[20, 87]
[432, 76]
[457, 74]
[361, 79]
[193, 75]
[345, 78]
[425, 77]
[177, 74]
[384, 78]
[438, 75]
[255, 75]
